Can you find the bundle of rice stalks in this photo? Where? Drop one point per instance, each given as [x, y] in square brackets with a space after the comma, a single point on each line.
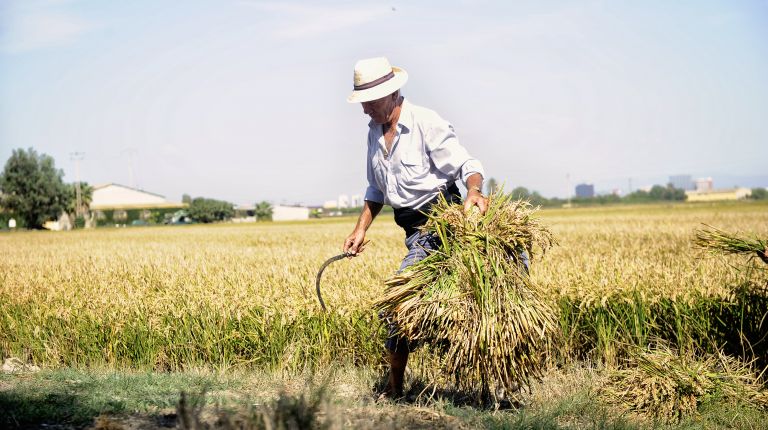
[665, 386]
[718, 241]
[472, 299]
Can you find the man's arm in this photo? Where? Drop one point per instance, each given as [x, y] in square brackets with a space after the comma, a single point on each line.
[353, 243]
[475, 195]
[451, 158]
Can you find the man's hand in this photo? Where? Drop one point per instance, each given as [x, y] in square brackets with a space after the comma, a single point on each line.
[476, 198]
[355, 242]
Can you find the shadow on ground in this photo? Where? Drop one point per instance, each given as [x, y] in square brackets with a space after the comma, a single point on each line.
[60, 410]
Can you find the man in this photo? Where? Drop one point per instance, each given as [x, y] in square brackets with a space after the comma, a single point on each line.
[413, 157]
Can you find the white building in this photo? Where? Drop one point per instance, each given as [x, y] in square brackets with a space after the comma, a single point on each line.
[118, 204]
[330, 204]
[356, 201]
[718, 195]
[289, 213]
[116, 196]
[343, 201]
[704, 185]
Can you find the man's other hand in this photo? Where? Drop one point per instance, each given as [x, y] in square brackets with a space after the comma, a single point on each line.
[355, 243]
[476, 198]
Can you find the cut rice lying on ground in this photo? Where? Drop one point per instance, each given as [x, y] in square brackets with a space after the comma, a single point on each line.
[663, 385]
[472, 299]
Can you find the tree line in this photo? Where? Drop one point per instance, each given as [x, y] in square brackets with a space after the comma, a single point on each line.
[33, 191]
[657, 193]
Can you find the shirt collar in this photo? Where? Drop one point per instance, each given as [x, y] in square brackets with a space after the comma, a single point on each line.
[405, 119]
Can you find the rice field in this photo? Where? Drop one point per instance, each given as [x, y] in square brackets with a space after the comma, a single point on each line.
[242, 296]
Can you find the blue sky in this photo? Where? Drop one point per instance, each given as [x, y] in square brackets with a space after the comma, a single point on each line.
[245, 100]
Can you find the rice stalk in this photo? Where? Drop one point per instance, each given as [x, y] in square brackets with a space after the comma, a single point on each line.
[718, 241]
[472, 298]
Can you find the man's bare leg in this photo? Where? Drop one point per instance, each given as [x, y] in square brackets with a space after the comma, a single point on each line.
[397, 362]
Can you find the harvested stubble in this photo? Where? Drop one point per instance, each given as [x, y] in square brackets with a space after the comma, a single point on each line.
[718, 241]
[472, 299]
[666, 386]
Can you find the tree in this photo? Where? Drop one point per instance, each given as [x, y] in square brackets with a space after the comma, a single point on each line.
[86, 195]
[186, 199]
[210, 210]
[657, 192]
[759, 194]
[520, 193]
[263, 211]
[32, 188]
[491, 186]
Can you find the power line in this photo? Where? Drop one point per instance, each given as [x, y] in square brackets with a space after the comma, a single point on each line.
[77, 157]
[131, 152]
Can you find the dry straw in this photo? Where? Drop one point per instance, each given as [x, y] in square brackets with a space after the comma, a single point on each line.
[665, 386]
[472, 299]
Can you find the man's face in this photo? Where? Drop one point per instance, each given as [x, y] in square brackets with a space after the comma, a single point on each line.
[380, 109]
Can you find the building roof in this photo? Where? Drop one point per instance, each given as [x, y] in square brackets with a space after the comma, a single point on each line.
[112, 184]
[116, 196]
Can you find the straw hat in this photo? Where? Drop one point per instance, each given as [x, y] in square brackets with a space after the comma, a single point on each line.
[376, 78]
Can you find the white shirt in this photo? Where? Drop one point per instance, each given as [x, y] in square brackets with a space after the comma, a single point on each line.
[426, 157]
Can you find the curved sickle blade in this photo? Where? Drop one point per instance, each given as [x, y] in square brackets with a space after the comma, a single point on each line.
[320, 274]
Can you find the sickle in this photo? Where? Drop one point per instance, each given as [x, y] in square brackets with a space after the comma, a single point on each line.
[329, 261]
[320, 273]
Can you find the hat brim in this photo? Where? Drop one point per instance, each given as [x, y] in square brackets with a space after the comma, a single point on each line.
[381, 90]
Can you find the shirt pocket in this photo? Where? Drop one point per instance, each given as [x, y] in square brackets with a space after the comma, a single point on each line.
[415, 166]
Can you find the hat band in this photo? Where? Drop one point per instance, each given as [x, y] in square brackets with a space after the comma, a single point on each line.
[372, 84]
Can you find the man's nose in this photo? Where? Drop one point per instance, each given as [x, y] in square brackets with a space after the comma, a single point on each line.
[366, 108]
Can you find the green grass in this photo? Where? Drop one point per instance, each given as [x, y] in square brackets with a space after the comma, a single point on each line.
[72, 397]
[76, 397]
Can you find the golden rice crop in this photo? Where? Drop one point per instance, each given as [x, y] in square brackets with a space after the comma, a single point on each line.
[243, 295]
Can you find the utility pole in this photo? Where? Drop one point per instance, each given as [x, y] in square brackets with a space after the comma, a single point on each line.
[77, 157]
[131, 152]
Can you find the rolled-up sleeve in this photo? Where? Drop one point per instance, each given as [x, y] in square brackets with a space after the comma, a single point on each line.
[447, 154]
[372, 193]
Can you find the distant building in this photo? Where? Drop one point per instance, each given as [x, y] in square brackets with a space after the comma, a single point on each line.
[683, 182]
[116, 196]
[356, 201]
[244, 213]
[290, 213]
[330, 204]
[63, 223]
[718, 195]
[704, 185]
[121, 204]
[585, 190]
[343, 201]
